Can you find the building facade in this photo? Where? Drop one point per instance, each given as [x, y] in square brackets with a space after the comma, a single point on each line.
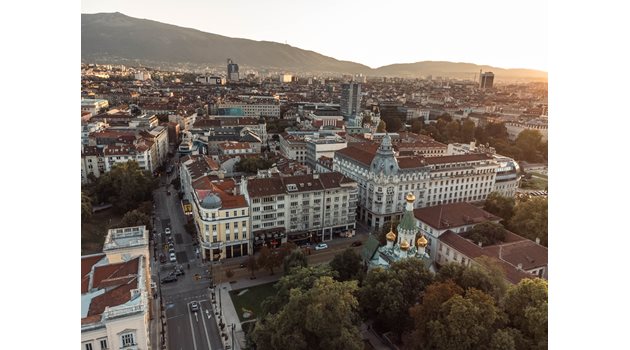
[221, 216]
[116, 292]
[350, 100]
[301, 209]
[384, 178]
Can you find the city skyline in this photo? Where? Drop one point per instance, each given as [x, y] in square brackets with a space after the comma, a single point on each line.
[493, 36]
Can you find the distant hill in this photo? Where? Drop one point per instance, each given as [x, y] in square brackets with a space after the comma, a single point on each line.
[456, 70]
[117, 38]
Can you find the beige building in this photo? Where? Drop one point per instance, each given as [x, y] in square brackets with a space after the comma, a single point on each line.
[116, 293]
[221, 216]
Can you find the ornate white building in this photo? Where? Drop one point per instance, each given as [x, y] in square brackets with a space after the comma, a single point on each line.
[384, 177]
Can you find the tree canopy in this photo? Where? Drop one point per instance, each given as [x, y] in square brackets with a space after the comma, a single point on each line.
[382, 127]
[487, 233]
[125, 186]
[295, 259]
[322, 317]
[500, 205]
[530, 219]
[86, 206]
[253, 164]
[348, 265]
[136, 218]
[387, 295]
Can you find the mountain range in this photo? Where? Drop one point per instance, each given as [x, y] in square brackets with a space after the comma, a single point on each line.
[117, 38]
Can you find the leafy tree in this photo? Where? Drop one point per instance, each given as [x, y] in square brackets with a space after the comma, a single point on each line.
[394, 124]
[381, 126]
[269, 259]
[295, 259]
[125, 186]
[381, 299]
[530, 219]
[487, 233]
[416, 126]
[467, 130]
[146, 207]
[299, 278]
[464, 322]
[252, 265]
[500, 205]
[526, 307]
[253, 164]
[502, 340]
[348, 265]
[432, 299]
[486, 276]
[135, 218]
[86, 206]
[387, 295]
[529, 142]
[453, 132]
[323, 317]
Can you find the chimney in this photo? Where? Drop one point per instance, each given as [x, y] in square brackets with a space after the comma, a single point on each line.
[315, 176]
[520, 267]
[480, 244]
[537, 240]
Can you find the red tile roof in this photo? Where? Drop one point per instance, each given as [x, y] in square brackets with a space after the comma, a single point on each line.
[113, 297]
[459, 158]
[262, 187]
[204, 186]
[517, 251]
[86, 267]
[453, 215]
[104, 274]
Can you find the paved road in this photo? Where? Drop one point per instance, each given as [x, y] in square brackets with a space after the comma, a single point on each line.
[186, 330]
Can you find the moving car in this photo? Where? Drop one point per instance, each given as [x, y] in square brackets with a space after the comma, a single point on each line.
[194, 306]
[321, 246]
[169, 278]
[172, 257]
[167, 230]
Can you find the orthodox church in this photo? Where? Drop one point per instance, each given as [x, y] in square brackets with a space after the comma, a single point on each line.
[406, 244]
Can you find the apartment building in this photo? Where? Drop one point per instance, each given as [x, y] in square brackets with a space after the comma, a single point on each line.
[317, 147]
[254, 109]
[300, 209]
[293, 147]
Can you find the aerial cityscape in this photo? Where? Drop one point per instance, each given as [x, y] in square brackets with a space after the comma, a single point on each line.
[241, 194]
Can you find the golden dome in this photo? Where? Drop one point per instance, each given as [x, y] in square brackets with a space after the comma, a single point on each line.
[391, 236]
[404, 245]
[422, 242]
[410, 197]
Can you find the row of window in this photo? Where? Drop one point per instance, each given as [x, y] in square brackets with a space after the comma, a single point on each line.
[126, 339]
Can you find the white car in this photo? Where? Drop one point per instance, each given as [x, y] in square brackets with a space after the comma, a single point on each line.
[194, 306]
[167, 231]
[321, 246]
[172, 257]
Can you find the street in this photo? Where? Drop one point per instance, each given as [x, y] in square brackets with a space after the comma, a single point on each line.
[185, 329]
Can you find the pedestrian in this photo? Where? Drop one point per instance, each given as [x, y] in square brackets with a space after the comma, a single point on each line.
[188, 264]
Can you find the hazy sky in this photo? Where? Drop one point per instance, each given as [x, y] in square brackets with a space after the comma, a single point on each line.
[502, 33]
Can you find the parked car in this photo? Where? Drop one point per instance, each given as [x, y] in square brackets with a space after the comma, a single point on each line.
[356, 243]
[169, 279]
[321, 246]
[194, 306]
[167, 231]
[162, 258]
[172, 257]
[179, 271]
